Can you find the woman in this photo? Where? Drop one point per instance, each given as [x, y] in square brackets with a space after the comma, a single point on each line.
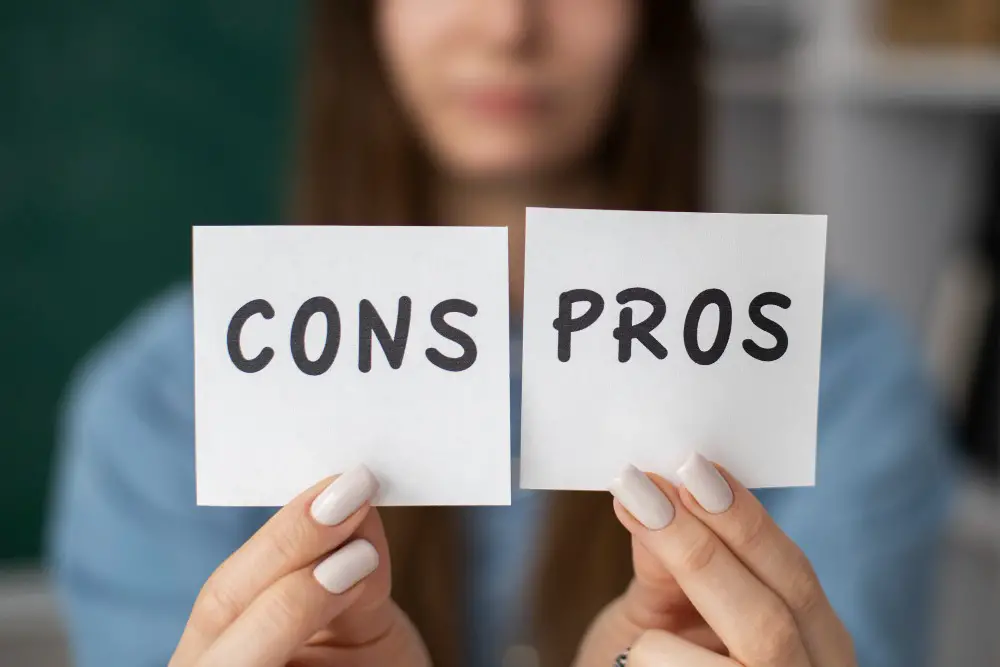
[464, 113]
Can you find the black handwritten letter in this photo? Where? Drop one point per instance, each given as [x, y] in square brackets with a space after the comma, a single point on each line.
[702, 301]
[566, 325]
[769, 326]
[469, 351]
[255, 307]
[370, 323]
[626, 332]
[317, 304]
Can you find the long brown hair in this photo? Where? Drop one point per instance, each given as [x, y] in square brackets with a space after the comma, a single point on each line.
[359, 162]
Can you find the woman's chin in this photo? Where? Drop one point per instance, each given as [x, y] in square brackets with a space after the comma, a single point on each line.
[510, 168]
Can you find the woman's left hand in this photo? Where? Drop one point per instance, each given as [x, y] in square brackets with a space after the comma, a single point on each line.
[717, 582]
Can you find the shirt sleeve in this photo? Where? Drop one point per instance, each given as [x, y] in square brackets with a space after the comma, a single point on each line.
[873, 526]
[129, 548]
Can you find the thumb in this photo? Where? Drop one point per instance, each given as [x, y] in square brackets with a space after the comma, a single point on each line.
[654, 600]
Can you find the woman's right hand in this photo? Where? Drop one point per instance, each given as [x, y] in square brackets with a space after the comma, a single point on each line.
[311, 587]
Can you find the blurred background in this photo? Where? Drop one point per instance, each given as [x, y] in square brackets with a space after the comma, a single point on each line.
[125, 124]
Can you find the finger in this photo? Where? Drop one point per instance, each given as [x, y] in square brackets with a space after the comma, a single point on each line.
[294, 608]
[738, 518]
[653, 599]
[372, 615]
[752, 621]
[314, 523]
[656, 648]
[704, 636]
[397, 644]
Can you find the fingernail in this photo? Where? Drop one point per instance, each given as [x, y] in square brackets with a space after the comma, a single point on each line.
[706, 484]
[347, 566]
[640, 496]
[344, 496]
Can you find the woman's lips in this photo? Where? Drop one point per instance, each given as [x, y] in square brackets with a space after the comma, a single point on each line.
[503, 103]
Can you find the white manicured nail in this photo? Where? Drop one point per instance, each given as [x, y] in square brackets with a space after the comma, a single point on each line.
[344, 496]
[642, 498]
[706, 484]
[347, 566]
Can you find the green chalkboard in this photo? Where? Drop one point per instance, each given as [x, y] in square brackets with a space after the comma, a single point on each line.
[122, 124]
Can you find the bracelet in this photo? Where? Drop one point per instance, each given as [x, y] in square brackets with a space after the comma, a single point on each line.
[621, 660]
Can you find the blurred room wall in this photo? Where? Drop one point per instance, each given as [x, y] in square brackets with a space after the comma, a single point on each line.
[122, 126]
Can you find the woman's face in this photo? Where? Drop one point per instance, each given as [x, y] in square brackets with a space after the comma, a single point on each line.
[506, 88]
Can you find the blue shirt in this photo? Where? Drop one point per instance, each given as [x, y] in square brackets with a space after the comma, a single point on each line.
[130, 549]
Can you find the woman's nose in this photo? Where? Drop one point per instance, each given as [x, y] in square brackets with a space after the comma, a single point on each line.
[507, 24]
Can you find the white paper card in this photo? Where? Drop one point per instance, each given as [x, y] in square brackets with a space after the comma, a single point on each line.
[584, 418]
[434, 432]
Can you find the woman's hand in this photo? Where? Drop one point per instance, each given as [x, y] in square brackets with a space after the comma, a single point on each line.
[716, 584]
[311, 588]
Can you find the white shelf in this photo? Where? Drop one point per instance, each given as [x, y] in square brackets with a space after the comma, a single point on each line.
[27, 605]
[976, 521]
[749, 81]
[956, 81]
[924, 79]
